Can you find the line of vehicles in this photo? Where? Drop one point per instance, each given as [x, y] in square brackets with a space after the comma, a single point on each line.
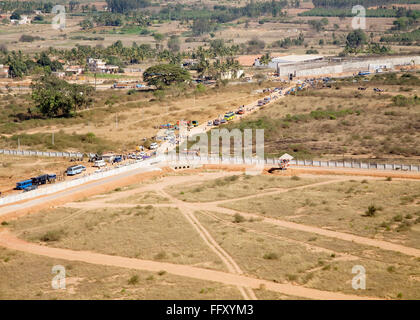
[33, 183]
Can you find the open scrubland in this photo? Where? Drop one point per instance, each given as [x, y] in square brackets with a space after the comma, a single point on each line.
[343, 122]
[290, 230]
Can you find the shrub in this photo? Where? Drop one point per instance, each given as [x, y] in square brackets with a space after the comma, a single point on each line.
[237, 218]
[54, 235]
[160, 255]
[296, 178]
[133, 280]
[371, 211]
[397, 218]
[270, 256]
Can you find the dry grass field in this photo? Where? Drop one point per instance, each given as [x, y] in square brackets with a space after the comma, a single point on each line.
[342, 123]
[270, 255]
[120, 121]
[344, 206]
[263, 237]
[235, 186]
[142, 232]
[27, 276]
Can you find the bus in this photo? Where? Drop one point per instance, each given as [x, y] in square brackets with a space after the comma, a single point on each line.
[229, 116]
[71, 171]
[23, 184]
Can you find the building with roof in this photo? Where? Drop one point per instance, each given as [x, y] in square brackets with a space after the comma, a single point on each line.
[280, 61]
[4, 71]
[98, 65]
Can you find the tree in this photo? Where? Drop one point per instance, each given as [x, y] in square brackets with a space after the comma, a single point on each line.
[356, 39]
[73, 5]
[163, 75]
[55, 97]
[174, 44]
[201, 26]
[265, 59]
[15, 15]
[86, 24]
[123, 6]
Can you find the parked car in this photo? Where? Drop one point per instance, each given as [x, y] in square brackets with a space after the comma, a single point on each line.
[117, 159]
[153, 146]
[216, 122]
[99, 163]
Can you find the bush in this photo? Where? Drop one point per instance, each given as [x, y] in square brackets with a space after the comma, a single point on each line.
[54, 235]
[371, 211]
[237, 218]
[397, 218]
[270, 256]
[161, 255]
[28, 38]
[133, 280]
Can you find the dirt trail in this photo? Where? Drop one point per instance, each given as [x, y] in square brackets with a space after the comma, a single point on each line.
[214, 206]
[232, 266]
[11, 242]
[324, 232]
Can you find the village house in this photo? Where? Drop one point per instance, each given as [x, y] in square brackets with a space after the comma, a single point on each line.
[4, 71]
[99, 66]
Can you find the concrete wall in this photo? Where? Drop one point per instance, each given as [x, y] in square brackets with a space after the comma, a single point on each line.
[40, 153]
[324, 67]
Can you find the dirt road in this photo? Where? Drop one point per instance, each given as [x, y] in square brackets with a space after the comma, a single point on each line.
[9, 241]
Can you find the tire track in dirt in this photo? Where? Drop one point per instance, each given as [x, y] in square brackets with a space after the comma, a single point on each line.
[324, 232]
[232, 266]
[9, 241]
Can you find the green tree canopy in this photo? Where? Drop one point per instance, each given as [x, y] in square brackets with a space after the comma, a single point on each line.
[163, 75]
[356, 39]
[55, 97]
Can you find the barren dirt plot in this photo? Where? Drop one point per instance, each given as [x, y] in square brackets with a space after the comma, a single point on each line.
[143, 198]
[160, 234]
[27, 276]
[386, 210]
[285, 261]
[236, 186]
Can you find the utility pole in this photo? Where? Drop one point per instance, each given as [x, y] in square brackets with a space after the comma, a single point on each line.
[18, 143]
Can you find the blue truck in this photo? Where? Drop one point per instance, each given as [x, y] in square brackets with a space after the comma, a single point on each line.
[21, 185]
[33, 183]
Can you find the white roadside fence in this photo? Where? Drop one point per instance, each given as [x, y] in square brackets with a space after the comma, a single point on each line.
[182, 160]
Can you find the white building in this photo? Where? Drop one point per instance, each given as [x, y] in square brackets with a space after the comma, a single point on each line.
[4, 71]
[23, 20]
[278, 62]
[98, 65]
